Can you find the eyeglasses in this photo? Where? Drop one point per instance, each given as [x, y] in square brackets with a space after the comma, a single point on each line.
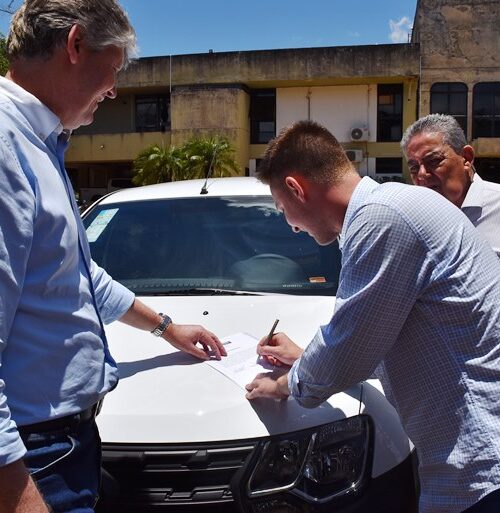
[430, 162]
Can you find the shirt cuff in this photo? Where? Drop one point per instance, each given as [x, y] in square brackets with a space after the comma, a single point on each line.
[11, 447]
[293, 380]
[122, 300]
[301, 381]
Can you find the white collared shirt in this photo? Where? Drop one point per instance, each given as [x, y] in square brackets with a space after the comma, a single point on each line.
[482, 207]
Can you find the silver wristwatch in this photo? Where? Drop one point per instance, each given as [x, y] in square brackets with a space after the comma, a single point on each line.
[164, 324]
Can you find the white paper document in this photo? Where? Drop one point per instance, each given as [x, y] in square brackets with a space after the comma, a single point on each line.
[242, 363]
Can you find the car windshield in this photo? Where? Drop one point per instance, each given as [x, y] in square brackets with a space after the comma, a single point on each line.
[208, 245]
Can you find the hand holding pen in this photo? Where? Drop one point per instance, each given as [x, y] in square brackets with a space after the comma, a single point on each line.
[278, 349]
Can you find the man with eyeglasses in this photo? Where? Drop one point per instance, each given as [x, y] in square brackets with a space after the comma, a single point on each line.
[439, 158]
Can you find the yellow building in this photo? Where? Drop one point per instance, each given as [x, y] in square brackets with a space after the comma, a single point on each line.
[366, 95]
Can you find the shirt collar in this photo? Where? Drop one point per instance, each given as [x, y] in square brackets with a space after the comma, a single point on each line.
[364, 187]
[43, 121]
[474, 196]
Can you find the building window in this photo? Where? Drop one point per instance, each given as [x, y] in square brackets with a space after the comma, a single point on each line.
[262, 115]
[450, 98]
[389, 112]
[152, 113]
[486, 110]
[389, 166]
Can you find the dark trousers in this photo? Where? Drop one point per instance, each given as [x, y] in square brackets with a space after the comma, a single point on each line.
[66, 465]
[488, 504]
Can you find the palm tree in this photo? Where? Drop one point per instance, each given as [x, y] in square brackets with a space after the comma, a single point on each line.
[197, 158]
[210, 157]
[4, 63]
[157, 164]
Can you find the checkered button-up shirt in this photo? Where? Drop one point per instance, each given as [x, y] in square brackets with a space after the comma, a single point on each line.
[419, 304]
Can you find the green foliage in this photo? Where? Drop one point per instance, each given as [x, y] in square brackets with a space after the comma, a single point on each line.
[215, 153]
[194, 159]
[158, 164]
[4, 63]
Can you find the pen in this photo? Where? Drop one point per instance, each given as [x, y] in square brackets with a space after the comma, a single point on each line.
[271, 333]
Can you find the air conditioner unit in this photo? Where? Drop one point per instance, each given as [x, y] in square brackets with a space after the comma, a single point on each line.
[360, 133]
[354, 155]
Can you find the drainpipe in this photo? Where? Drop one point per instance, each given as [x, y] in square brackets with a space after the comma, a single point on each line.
[170, 75]
[170, 93]
[308, 97]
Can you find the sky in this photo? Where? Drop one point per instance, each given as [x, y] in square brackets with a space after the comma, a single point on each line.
[173, 27]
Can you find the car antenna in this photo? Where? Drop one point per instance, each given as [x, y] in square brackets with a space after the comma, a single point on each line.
[204, 189]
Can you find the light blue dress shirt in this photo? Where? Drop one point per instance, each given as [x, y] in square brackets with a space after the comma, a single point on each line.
[418, 304]
[54, 359]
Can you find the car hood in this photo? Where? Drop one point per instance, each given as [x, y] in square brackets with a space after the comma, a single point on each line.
[168, 396]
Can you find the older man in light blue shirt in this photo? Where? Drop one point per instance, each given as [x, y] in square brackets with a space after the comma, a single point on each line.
[50, 326]
[418, 303]
[54, 300]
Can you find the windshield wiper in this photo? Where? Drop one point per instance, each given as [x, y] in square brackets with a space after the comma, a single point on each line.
[201, 291]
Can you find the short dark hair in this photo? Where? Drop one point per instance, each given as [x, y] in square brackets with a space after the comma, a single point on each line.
[308, 148]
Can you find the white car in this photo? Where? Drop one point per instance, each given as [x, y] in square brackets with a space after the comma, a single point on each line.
[180, 436]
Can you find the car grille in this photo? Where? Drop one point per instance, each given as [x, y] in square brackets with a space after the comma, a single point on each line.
[174, 478]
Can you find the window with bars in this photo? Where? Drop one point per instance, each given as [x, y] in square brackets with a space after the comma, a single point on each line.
[389, 112]
[450, 98]
[152, 113]
[486, 110]
[262, 115]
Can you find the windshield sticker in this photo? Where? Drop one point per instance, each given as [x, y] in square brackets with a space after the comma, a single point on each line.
[317, 279]
[98, 225]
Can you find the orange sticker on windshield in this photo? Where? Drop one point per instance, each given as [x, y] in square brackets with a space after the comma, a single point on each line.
[317, 279]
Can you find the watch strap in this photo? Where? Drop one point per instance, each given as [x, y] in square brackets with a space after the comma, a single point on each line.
[164, 324]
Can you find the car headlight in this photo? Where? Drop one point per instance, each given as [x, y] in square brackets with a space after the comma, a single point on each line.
[280, 464]
[316, 465]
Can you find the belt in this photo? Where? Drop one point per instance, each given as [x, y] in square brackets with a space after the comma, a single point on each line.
[61, 423]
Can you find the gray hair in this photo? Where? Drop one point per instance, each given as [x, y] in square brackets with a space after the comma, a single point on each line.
[41, 26]
[443, 124]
